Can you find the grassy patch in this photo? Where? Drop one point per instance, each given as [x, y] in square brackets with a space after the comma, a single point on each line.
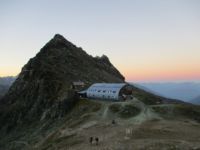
[147, 98]
[115, 108]
[86, 106]
[82, 111]
[125, 111]
[78, 122]
[166, 112]
[61, 139]
[179, 110]
[189, 111]
[129, 111]
[55, 141]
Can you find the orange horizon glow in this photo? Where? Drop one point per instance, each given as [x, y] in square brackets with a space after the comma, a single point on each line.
[9, 71]
[164, 74]
[157, 77]
[141, 75]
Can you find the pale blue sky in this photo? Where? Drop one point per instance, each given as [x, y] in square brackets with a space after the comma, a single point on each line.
[147, 40]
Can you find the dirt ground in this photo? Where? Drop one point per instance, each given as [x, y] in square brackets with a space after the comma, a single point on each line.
[155, 135]
[146, 131]
[148, 127]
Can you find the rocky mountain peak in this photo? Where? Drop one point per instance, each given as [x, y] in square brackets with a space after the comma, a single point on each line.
[42, 89]
[59, 37]
[58, 41]
[105, 59]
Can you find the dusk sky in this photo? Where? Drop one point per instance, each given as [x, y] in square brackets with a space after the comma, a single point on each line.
[147, 40]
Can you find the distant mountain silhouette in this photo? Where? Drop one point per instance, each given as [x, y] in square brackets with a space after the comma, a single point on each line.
[184, 91]
[3, 90]
[5, 83]
[196, 100]
[7, 80]
[145, 89]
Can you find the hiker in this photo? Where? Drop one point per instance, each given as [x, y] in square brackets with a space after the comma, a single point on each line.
[97, 140]
[91, 140]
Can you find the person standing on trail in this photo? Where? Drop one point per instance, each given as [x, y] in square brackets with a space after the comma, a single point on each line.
[97, 140]
[91, 140]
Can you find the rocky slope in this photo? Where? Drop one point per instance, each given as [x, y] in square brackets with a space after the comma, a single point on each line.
[42, 89]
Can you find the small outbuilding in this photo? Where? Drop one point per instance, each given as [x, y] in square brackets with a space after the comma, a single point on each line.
[112, 91]
[78, 85]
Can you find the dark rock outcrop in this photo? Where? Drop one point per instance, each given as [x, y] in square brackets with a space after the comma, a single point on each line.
[42, 89]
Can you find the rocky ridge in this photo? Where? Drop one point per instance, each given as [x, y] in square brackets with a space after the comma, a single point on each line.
[42, 89]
